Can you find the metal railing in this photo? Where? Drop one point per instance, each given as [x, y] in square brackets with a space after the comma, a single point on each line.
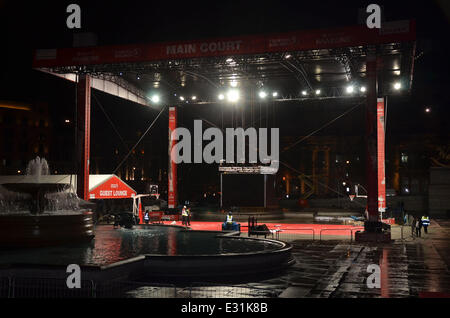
[127, 289]
[299, 233]
[288, 234]
[352, 235]
[208, 290]
[31, 287]
[349, 229]
[5, 283]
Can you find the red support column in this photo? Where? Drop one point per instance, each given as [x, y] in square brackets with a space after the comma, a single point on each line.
[172, 166]
[381, 157]
[83, 134]
[373, 229]
[371, 139]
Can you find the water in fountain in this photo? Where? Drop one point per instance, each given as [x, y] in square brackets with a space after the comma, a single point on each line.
[57, 197]
[37, 167]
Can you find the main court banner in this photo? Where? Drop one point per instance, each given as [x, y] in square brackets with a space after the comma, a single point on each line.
[359, 35]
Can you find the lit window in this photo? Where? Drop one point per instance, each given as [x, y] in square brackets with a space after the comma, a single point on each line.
[404, 158]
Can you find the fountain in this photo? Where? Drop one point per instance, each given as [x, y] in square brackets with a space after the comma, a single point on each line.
[37, 212]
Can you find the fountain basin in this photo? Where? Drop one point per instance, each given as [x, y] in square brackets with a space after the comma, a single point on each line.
[47, 229]
[34, 188]
[157, 251]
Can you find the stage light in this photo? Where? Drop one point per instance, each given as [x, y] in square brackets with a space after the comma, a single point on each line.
[194, 97]
[67, 121]
[397, 85]
[350, 89]
[155, 99]
[304, 93]
[181, 98]
[233, 95]
[221, 96]
[287, 56]
[317, 91]
[274, 94]
[428, 110]
[362, 89]
[229, 60]
[233, 83]
[138, 77]
[262, 94]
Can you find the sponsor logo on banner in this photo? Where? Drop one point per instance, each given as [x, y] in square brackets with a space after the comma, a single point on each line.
[127, 53]
[282, 42]
[86, 57]
[395, 27]
[332, 39]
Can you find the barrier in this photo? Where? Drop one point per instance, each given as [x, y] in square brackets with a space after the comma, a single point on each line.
[5, 283]
[281, 233]
[155, 216]
[208, 290]
[130, 289]
[350, 229]
[284, 235]
[31, 287]
[356, 230]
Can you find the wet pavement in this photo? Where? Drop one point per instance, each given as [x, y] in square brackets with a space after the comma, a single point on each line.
[409, 267]
[412, 267]
[336, 268]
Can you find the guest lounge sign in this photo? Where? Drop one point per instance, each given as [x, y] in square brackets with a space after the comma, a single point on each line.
[111, 188]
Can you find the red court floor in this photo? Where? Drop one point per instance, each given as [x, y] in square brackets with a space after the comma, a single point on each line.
[327, 229]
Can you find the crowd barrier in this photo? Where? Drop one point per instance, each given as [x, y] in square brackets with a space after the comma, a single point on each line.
[209, 290]
[30, 287]
[299, 233]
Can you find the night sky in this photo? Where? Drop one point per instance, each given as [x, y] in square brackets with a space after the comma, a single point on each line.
[26, 26]
[41, 24]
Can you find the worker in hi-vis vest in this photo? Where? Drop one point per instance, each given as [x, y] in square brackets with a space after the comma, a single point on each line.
[184, 216]
[146, 217]
[425, 223]
[229, 220]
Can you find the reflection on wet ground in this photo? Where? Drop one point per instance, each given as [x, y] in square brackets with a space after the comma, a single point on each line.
[411, 267]
[339, 269]
[113, 245]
